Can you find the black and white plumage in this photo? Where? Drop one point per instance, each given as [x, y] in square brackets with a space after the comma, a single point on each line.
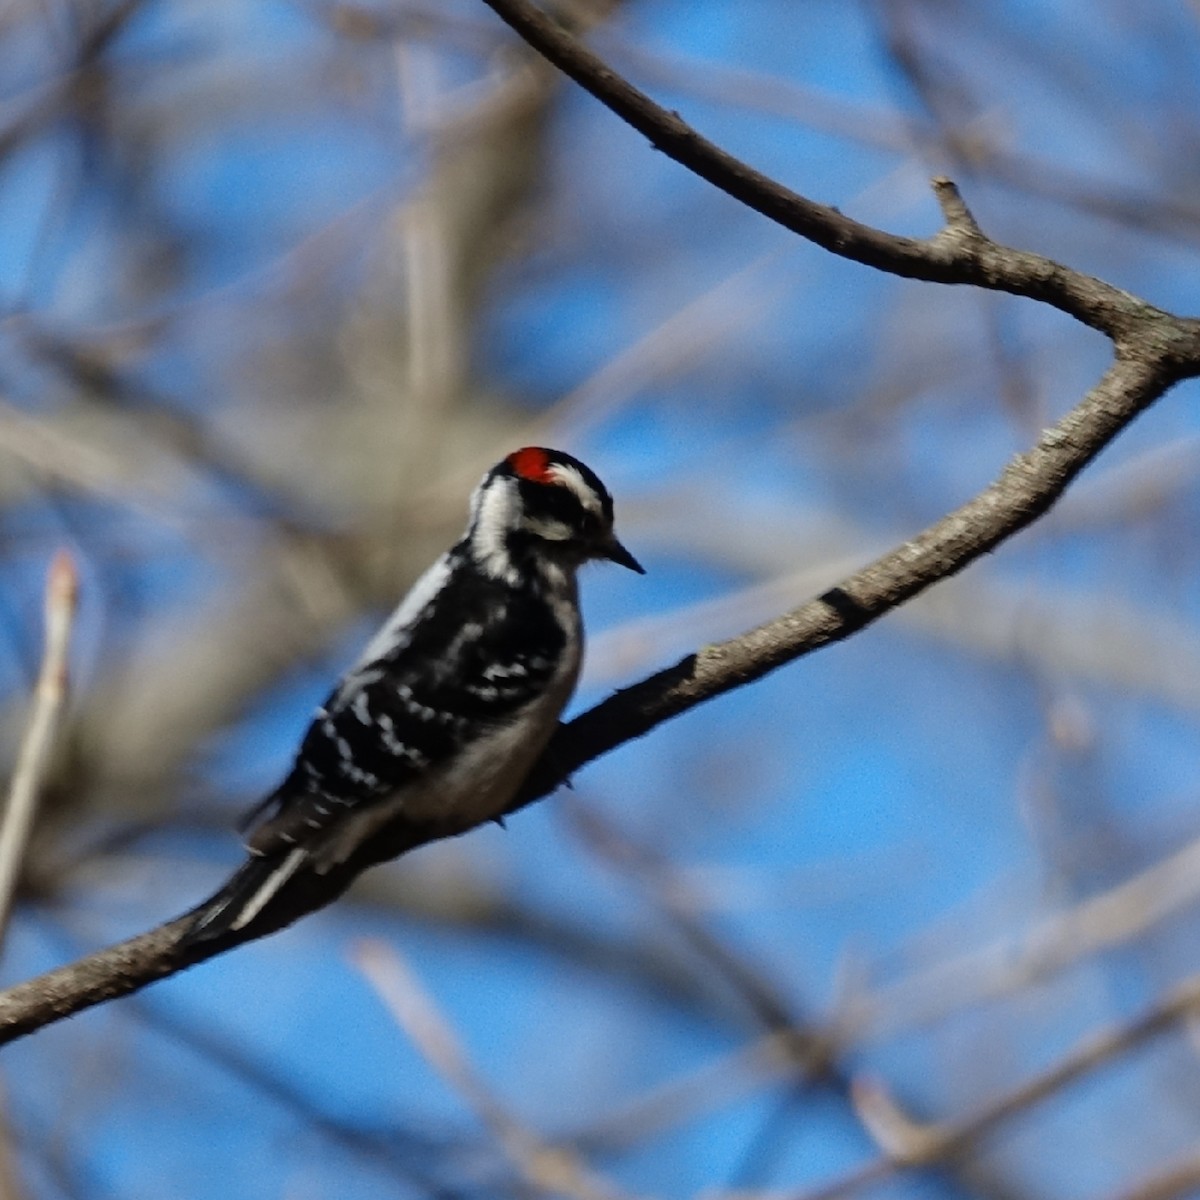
[453, 700]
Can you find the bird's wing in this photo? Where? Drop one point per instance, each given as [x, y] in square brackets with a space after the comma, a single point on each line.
[433, 682]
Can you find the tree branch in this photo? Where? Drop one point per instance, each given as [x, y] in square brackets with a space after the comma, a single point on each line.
[959, 254]
[1027, 487]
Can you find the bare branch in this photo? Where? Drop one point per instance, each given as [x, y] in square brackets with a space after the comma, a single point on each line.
[1028, 486]
[975, 260]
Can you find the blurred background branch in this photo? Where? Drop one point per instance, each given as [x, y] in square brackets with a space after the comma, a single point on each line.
[37, 743]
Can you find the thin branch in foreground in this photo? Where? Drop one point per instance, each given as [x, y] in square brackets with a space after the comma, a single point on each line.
[33, 757]
[550, 1170]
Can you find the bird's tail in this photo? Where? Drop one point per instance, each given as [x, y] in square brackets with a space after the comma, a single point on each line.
[245, 895]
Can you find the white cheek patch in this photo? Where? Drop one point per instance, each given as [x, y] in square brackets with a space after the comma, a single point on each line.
[548, 528]
[494, 511]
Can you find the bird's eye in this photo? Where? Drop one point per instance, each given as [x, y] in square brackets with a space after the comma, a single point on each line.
[589, 523]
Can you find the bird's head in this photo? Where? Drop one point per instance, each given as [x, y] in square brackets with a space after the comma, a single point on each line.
[545, 502]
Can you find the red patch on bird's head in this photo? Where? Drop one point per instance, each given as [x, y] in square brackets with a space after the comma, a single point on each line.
[532, 463]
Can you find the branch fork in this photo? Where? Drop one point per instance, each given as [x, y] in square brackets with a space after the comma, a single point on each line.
[961, 229]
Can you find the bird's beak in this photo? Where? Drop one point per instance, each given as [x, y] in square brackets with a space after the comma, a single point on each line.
[615, 552]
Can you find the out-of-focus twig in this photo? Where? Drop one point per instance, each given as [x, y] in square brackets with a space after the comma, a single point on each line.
[678, 343]
[765, 1060]
[1100, 922]
[809, 1049]
[907, 1143]
[551, 1170]
[1177, 1180]
[10, 1188]
[1142, 209]
[770, 1007]
[62, 588]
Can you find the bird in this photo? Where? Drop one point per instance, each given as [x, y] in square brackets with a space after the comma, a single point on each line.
[450, 704]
